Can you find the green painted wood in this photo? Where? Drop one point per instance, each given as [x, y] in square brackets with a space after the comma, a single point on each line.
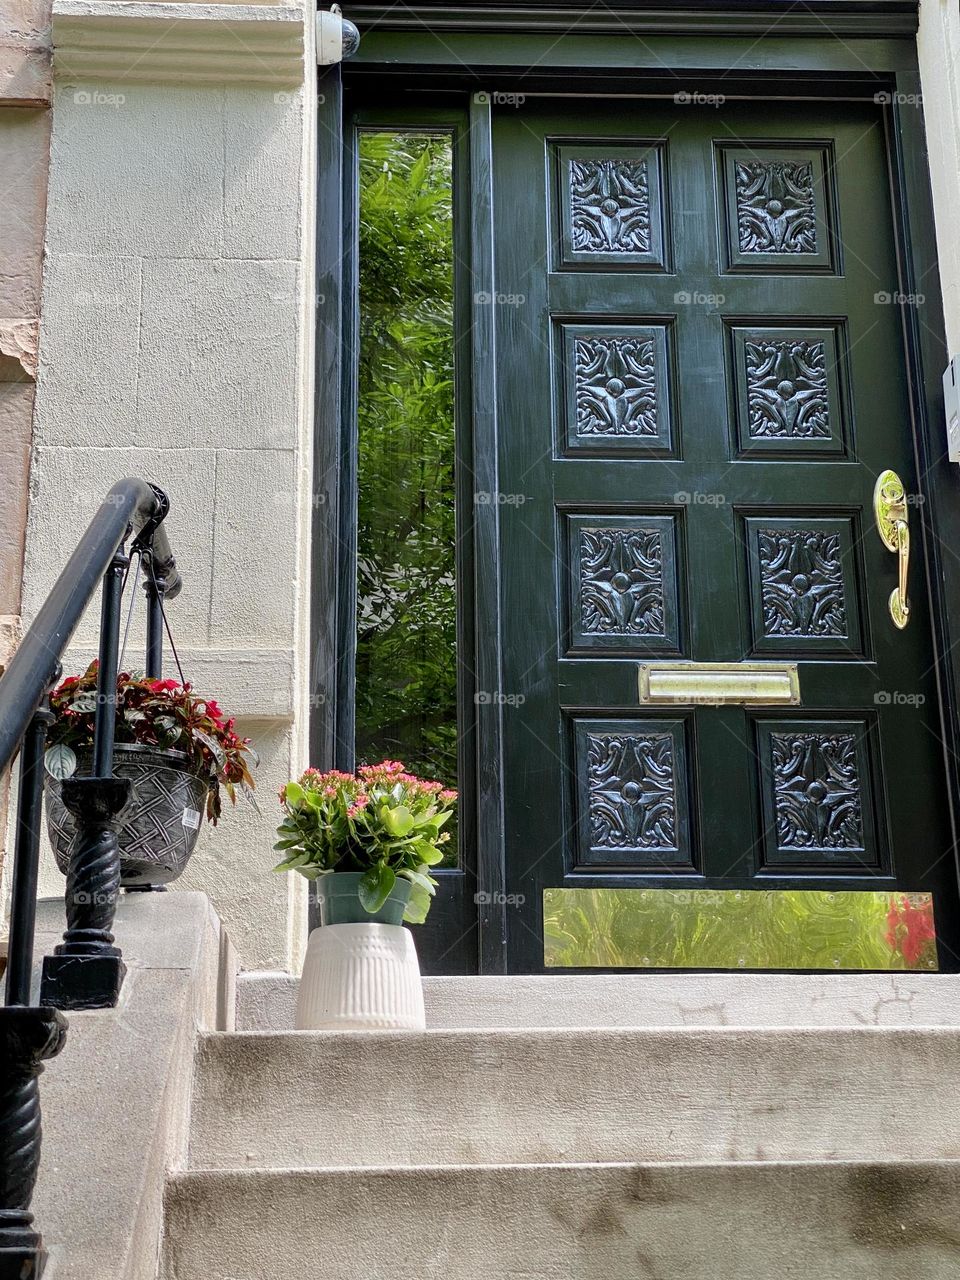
[485, 518]
[927, 357]
[325, 577]
[477, 55]
[824, 18]
[873, 690]
[449, 939]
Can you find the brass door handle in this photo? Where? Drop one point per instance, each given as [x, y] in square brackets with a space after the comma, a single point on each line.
[890, 513]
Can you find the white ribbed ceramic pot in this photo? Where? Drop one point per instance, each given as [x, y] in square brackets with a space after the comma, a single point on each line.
[361, 977]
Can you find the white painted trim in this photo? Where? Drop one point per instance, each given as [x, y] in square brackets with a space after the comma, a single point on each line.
[123, 40]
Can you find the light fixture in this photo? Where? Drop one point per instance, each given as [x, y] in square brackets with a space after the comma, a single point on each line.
[337, 37]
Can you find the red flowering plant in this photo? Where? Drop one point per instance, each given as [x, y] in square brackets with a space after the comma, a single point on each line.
[381, 821]
[154, 713]
[911, 931]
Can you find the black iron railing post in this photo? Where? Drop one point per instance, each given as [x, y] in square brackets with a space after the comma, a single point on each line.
[23, 897]
[155, 586]
[86, 970]
[27, 1036]
[106, 713]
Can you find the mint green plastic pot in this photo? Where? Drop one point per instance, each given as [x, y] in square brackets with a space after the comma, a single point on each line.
[338, 897]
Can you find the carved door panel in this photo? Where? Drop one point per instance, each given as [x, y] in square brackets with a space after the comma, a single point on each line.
[701, 377]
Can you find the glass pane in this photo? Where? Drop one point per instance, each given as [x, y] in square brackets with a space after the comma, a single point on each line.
[737, 929]
[406, 694]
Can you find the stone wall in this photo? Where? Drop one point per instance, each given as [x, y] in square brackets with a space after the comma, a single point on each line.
[24, 147]
[176, 345]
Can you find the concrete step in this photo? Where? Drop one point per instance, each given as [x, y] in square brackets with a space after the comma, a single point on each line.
[265, 1001]
[490, 1097]
[841, 1221]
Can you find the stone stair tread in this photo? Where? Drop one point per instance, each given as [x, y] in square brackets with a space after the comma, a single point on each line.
[532, 1166]
[266, 1000]
[695, 1220]
[516, 1096]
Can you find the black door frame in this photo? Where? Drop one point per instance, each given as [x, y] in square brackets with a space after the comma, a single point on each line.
[479, 50]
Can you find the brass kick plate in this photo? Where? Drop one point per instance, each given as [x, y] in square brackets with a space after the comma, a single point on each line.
[737, 929]
[712, 684]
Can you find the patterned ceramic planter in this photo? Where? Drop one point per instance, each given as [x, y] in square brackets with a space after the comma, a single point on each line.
[159, 829]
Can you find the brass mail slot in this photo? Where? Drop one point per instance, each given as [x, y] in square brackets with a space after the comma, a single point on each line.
[714, 683]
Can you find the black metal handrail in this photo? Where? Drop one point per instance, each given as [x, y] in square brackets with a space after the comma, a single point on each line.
[87, 970]
[130, 505]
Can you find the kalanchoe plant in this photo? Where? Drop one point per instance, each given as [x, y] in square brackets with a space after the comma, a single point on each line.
[381, 821]
[154, 713]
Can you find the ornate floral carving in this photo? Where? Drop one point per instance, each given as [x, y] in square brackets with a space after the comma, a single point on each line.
[616, 387]
[621, 582]
[801, 582]
[816, 791]
[609, 206]
[632, 791]
[775, 206]
[787, 389]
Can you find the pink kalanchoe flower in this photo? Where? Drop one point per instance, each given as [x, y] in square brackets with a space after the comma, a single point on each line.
[359, 804]
[389, 767]
[448, 797]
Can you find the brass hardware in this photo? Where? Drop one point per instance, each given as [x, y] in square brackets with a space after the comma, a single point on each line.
[635, 928]
[715, 683]
[890, 512]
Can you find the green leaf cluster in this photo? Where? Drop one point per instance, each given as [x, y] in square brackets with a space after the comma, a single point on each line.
[382, 822]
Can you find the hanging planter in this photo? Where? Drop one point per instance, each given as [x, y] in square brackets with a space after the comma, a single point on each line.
[162, 826]
[179, 753]
[368, 841]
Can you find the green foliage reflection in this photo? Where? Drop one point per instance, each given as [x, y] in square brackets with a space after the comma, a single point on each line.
[737, 929]
[406, 643]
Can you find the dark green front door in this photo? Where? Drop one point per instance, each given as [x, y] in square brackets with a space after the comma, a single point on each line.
[701, 374]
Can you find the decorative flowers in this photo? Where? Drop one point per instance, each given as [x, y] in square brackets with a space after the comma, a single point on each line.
[156, 713]
[382, 821]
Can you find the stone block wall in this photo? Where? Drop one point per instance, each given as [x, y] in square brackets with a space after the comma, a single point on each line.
[25, 83]
[176, 345]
